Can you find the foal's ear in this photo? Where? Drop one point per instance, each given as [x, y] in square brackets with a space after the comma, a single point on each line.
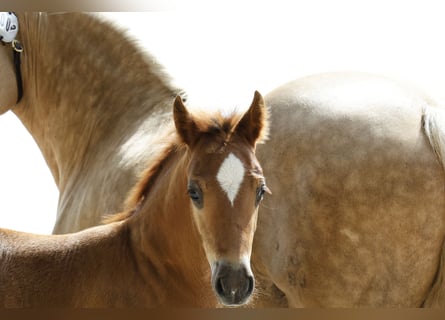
[254, 125]
[185, 125]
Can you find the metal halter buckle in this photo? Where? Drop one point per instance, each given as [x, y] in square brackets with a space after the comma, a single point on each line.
[17, 46]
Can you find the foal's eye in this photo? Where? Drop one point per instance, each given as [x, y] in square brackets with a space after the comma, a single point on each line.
[260, 193]
[195, 193]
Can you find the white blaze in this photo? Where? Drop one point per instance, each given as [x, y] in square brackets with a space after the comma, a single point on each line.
[230, 176]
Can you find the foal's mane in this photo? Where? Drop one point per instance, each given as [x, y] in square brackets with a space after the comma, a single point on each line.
[218, 132]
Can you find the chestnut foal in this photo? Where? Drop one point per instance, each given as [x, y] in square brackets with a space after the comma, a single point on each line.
[195, 205]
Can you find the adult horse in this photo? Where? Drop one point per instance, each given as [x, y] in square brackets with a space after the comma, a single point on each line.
[204, 187]
[357, 213]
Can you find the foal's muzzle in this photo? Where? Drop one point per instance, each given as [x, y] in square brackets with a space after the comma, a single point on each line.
[233, 283]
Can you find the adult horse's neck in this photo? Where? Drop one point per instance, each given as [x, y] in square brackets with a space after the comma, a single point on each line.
[89, 95]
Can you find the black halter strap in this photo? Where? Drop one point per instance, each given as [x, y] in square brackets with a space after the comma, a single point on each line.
[17, 50]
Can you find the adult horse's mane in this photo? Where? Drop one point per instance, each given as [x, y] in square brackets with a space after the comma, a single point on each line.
[217, 130]
[103, 54]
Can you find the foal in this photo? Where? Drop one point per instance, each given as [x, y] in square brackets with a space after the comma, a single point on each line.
[195, 205]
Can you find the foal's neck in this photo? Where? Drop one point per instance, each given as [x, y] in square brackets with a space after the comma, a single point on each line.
[170, 249]
[93, 102]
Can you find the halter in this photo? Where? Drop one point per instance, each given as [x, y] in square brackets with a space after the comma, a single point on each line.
[9, 27]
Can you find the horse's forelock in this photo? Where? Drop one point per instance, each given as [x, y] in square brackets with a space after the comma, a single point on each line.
[217, 132]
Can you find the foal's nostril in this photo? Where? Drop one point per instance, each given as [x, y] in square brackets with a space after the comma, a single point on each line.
[233, 286]
[219, 286]
[250, 286]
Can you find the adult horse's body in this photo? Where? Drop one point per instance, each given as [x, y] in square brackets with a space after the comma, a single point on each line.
[357, 214]
[160, 251]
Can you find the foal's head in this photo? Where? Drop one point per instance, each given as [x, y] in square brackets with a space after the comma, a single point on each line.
[226, 186]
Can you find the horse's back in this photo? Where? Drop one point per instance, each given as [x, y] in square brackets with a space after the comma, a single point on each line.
[58, 270]
[357, 211]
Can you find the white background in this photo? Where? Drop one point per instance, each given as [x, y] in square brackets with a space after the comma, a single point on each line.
[224, 53]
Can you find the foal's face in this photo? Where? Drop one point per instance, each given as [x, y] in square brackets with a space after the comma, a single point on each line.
[226, 185]
[226, 188]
